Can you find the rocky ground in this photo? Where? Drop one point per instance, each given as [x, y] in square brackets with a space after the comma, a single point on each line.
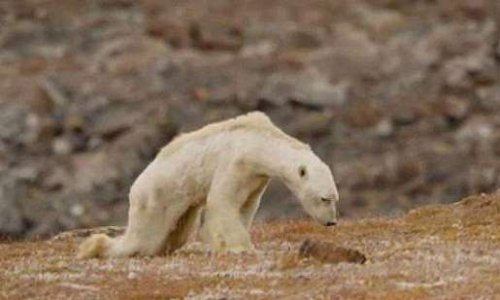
[436, 252]
[401, 98]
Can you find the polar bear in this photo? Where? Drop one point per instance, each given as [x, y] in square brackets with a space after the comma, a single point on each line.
[224, 167]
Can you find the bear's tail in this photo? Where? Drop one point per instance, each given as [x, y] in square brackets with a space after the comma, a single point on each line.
[97, 245]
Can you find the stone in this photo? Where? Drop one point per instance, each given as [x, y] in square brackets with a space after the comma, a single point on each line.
[128, 55]
[362, 114]
[62, 146]
[308, 87]
[176, 35]
[303, 40]
[380, 21]
[216, 36]
[384, 128]
[327, 252]
[11, 216]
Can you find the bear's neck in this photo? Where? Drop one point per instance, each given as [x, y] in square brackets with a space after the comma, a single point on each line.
[274, 158]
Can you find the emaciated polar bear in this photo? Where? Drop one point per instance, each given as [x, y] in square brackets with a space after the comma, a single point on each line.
[224, 167]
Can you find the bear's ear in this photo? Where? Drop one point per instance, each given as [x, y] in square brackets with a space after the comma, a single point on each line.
[302, 171]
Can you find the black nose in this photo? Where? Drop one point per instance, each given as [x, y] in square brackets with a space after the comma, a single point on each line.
[331, 224]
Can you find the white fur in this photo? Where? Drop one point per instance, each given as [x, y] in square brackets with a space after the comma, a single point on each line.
[225, 167]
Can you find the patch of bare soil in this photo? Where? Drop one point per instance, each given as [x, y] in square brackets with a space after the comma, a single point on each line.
[447, 251]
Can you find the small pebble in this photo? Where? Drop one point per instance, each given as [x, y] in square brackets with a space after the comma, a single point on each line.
[132, 275]
[62, 146]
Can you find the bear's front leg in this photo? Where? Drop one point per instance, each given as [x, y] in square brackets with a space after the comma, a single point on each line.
[226, 231]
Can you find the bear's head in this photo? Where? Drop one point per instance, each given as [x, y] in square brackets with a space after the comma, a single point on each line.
[312, 182]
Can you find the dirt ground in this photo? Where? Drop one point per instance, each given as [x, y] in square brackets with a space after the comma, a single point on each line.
[401, 98]
[434, 252]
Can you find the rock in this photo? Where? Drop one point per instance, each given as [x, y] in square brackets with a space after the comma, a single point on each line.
[309, 87]
[477, 9]
[428, 51]
[173, 33]
[132, 275]
[260, 48]
[296, 59]
[26, 174]
[11, 216]
[288, 260]
[462, 72]
[303, 40]
[75, 123]
[52, 95]
[216, 36]
[408, 169]
[42, 129]
[380, 21]
[34, 65]
[353, 54]
[77, 210]
[42, 103]
[311, 124]
[12, 128]
[404, 116]
[496, 145]
[475, 130]
[475, 136]
[111, 124]
[384, 128]
[497, 50]
[127, 55]
[362, 114]
[481, 179]
[62, 146]
[327, 252]
[455, 75]
[56, 179]
[489, 98]
[454, 109]
[200, 94]
[481, 66]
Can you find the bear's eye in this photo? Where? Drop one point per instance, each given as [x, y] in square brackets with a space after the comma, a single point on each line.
[302, 171]
[326, 200]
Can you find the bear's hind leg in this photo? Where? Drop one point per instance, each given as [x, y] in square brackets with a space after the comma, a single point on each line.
[147, 230]
[185, 225]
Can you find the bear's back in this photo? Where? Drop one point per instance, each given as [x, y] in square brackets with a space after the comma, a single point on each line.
[254, 121]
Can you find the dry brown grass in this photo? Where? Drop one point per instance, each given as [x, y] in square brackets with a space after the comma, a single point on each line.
[449, 251]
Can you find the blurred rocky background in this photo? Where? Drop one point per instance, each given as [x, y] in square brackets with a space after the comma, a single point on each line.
[400, 97]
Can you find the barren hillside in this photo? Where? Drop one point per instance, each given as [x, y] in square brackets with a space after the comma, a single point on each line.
[441, 251]
[401, 98]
